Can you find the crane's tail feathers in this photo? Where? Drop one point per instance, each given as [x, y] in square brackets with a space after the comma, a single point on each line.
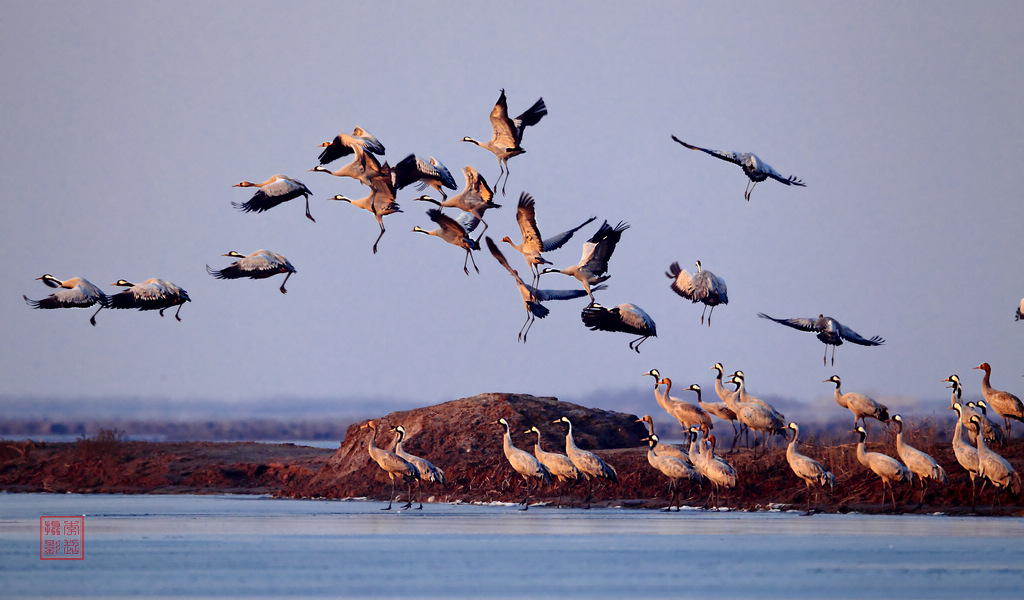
[539, 310]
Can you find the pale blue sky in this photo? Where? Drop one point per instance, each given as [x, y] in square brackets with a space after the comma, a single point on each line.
[125, 125]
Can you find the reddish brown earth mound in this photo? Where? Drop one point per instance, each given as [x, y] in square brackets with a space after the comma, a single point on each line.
[462, 438]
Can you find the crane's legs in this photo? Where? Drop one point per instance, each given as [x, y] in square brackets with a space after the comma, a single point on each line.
[309, 216]
[92, 320]
[469, 256]
[287, 275]
[638, 341]
[526, 327]
[381, 223]
[392, 498]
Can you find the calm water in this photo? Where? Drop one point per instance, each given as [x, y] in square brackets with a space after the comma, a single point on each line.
[245, 546]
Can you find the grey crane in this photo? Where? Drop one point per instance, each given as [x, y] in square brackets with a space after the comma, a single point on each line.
[592, 268]
[558, 465]
[663, 448]
[1006, 404]
[625, 318]
[506, 141]
[714, 468]
[76, 292]
[703, 286]
[258, 265]
[807, 469]
[272, 192]
[392, 464]
[746, 397]
[994, 468]
[455, 233]
[687, 414]
[532, 297]
[432, 173]
[920, 463]
[380, 202]
[523, 462]
[860, 405]
[718, 409]
[344, 144]
[533, 245]
[475, 198]
[886, 467]
[966, 454]
[756, 417]
[829, 331]
[723, 393]
[364, 168]
[428, 472]
[672, 467]
[151, 294]
[753, 167]
[989, 428]
[589, 464]
[969, 409]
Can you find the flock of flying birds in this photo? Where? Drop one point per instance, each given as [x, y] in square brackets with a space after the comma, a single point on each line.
[591, 272]
[472, 203]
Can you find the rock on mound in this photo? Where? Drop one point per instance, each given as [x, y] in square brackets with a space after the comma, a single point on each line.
[462, 438]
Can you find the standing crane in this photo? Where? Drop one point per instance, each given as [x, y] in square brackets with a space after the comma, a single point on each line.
[723, 394]
[393, 465]
[533, 245]
[506, 141]
[993, 467]
[558, 465]
[626, 318]
[76, 292]
[523, 462]
[714, 468]
[593, 266]
[258, 265]
[704, 287]
[272, 192]
[807, 468]
[476, 197]
[428, 472]
[380, 202]
[966, 454]
[412, 169]
[755, 416]
[1006, 404]
[886, 467]
[675, 469]
[687, 414]
[718, 409]
[921, 464]
[151, 294]
[663, 448]
[344, 144]
[829, 331]
[989, 428]
[532, 297]
[860, 405]
[753, 167]
[588, 463]
[455, 233]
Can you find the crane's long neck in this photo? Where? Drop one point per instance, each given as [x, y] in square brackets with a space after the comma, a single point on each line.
[663, 397]
[539, 449]
[720, 389]
[986, 386]
[507, 441]
[839, 397]
[862, 453]
[569, 442]
[982, 444]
